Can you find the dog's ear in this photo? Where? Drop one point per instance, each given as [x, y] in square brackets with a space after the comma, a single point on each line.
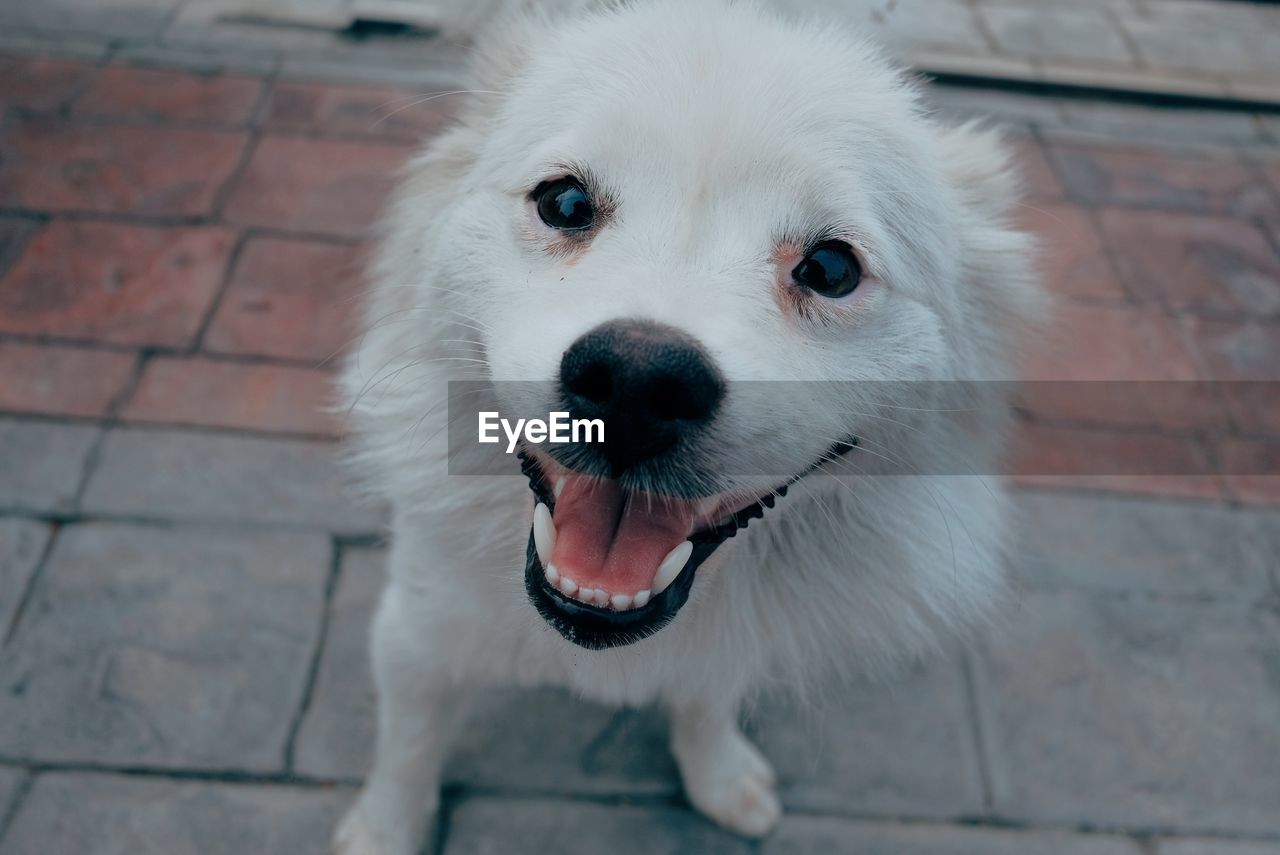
[1000, 259]
[502, 42]
[978, 164]
[502, 50]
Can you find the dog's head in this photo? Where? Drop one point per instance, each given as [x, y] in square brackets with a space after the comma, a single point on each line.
[686, 220]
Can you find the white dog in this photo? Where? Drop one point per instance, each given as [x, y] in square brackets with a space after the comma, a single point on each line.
[656, 212]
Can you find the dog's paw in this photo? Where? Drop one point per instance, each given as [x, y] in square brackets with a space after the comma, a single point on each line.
[734, 786]
[355, 836]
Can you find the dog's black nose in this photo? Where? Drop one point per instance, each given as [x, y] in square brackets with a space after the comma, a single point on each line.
[650, 384]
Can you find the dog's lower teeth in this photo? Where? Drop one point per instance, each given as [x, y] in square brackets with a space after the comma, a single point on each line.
[621, 602]
[671, 566]
[640, 599]
[568, 586]
[552, 574]
[544, 533]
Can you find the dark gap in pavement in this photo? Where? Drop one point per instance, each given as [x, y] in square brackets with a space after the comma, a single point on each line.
[1105, 94]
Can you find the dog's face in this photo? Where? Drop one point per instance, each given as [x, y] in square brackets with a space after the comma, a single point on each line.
[671, 206]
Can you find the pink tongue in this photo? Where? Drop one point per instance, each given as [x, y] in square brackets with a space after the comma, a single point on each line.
[606, 539]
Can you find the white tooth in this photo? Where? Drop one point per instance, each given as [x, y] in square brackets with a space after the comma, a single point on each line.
[568, 585]
[640, 599]
[544, 533]
[621, 602]
[601, 597]
[552, 574]
[559, 487]
[587, 595]
[671, 566]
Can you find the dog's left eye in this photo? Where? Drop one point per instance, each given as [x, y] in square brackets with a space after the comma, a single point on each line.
[830, 269]
[564, 204]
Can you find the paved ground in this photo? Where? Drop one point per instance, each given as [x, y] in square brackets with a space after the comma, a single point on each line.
[184, 585]
[1215, 48]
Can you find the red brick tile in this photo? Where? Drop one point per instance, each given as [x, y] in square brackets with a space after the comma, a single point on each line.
[39, 83]
[1038, 175]
[53, 166]
[1239, 353]
[1050, 456]
[1072, 258]
[60, 380]
[1087, 342]
[234, 395]
[1253, 470]
[145, 93]
[1186, 180]
[356, 111]
[289, 298]
[1199, 263]
[1269, 166]
[1120, 350]
[115, 283]
[316, 185]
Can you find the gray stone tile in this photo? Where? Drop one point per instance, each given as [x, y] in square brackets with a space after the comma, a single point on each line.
[426, 78]
[904, 747]
[1216, 847]
[1069, 35]
[514, 740]
[548, 741]
[1234, 39]
[41, 464]
[22, 542]
[176, 648]
[205, 26]
[825, 836]
[1271, 128]
[961, 103]
[112, 815]
[11, 781]
[49, 43]
[916, 24]
[500, 827]
[131, 18]
[1130, 713]
[215, 477]
[1127, 545]
[903, 26]
[336, 737]
[1113, 5]
[200, 62]
[1269, 542]
[1160, 126]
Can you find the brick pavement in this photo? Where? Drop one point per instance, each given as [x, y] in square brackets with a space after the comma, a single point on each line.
[185, 582]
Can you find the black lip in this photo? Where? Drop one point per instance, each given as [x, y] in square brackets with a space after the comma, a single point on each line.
[598, 628]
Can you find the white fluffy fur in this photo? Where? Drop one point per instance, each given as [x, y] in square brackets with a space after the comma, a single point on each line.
[718, 127]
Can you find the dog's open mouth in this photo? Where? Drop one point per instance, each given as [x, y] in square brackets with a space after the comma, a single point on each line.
[606, 566]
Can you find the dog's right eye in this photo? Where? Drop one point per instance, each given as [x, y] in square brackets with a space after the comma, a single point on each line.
[830, 269]
[563, 204]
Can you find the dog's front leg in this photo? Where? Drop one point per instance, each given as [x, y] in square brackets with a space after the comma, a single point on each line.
[725, 776]
[418, 713]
